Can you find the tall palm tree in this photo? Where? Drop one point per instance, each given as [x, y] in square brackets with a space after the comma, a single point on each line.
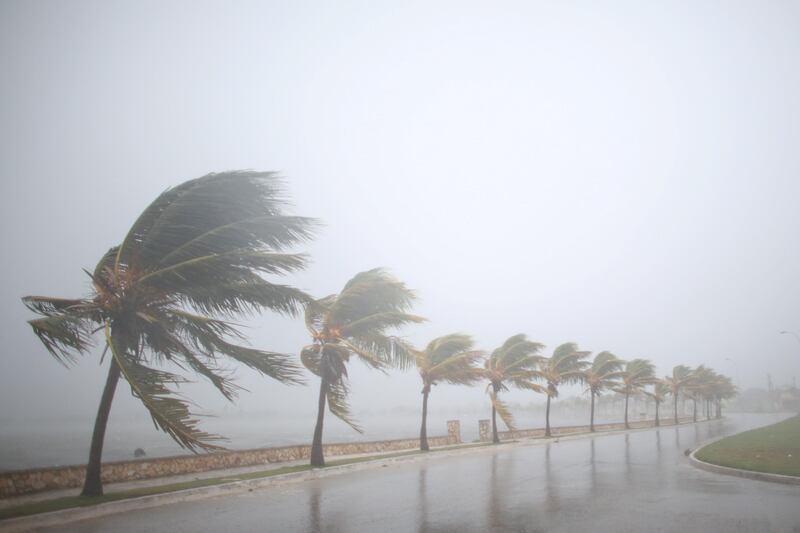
[514, 363]
[192, 260]
[680, 379]
[659, 394]
[451, 359]
[637, 374]
[566, 366]
[354, 323]
[604, 374]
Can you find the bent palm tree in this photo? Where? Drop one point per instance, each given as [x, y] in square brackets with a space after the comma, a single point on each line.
[566, 366]
[659, 394]
[604, 374]
[451, 359]
[193, 259]
[637, 374]
[702, 378]
[354, 323]
[723, 390]
[514, 363]
[680, 379]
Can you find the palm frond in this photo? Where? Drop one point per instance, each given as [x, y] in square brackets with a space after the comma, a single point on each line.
[310, 357]
[502, 410]
[316, 314]
[441, 348]
[528, 385]
[337, 403]
[379, 322]
[244, 298]
[66, 326]
[458, 368]
[169, 413]
[212, 214]
[368, 293]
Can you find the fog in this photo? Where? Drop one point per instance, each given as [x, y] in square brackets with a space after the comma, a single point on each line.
[624, 176]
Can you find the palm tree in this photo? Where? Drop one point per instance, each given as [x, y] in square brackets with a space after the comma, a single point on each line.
[702, 387]
[567, 365]
[680, 379]
[512, 363]
[450, 358]
[723, 389]
[354, 323]
[659, 393]
[637, 374]
[604, 374]
[192, 260]
[701, 379]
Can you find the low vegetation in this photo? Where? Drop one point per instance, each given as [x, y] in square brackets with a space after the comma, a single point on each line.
[773, 449]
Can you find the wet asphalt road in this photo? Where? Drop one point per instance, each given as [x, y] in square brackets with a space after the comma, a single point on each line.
[639, 481]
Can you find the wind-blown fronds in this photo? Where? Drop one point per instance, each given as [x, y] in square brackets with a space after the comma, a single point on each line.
[356, 323]
[514, 363]
[637, 374]
[195, 258]
[604, 373]
[66, 327]
[566, 366]
[170, 414]
[660, 391]
[502, 409]
[451, 359]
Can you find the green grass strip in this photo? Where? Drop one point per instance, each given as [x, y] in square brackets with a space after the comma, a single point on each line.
[70, 502]
[772, 449]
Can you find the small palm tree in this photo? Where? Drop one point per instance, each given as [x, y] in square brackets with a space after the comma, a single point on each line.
[637, 374]
[701, 382]
[354, 323]
[513, 363]
[659, 393]
[604, 374]
[680, 379]
[566, 366]
[450, 359]
[723, 390]
[193, 259]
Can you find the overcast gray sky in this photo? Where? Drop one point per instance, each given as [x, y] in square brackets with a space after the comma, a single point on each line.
[619, 174]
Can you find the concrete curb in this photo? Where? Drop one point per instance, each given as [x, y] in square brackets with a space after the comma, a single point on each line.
[738, 472]
[62, 517]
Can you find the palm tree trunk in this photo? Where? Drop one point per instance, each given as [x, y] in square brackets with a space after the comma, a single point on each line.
[694, 409]
[317, 458]
[423, 432]
[658, 423]
[547, 418]
[626, 411]
[93, 485]
[676, 407]
[591, 418]
[495, 437]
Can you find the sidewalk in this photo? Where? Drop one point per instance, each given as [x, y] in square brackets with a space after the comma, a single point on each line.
[235, 474]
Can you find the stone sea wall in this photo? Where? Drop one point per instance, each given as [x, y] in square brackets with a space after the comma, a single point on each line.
[485, 429]
[19, 482]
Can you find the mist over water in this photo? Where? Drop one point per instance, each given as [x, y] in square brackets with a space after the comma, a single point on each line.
[64, 441]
